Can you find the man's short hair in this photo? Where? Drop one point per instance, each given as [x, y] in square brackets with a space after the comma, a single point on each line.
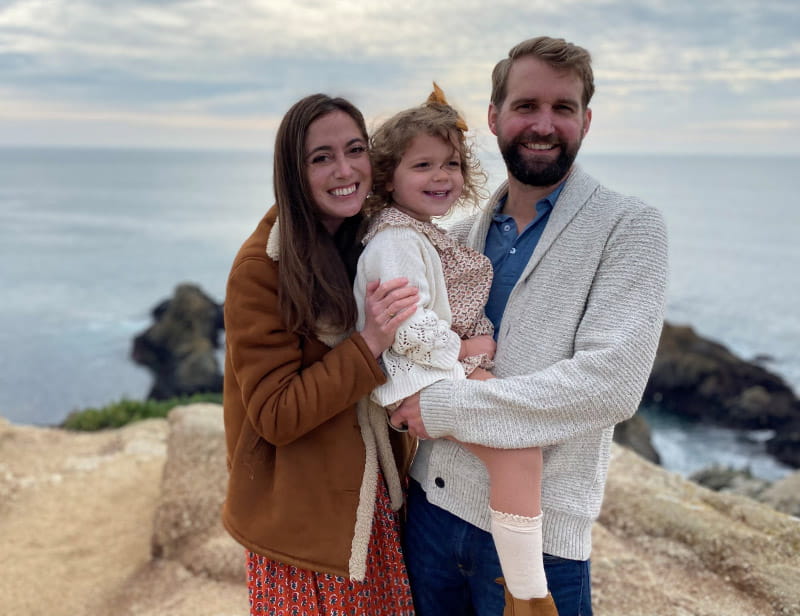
[558, 53]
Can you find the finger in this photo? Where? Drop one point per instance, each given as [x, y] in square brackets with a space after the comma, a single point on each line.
[387, 287]
[393, 320]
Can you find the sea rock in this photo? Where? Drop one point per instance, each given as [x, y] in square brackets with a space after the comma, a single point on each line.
[785, 445]
[728, 479]
[634, 433]
[180, 348]
[696, 377]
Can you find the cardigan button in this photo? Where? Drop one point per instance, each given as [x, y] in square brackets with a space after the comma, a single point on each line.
[439, 482]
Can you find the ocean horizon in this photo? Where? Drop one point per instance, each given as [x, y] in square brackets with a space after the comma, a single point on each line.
[92, 239]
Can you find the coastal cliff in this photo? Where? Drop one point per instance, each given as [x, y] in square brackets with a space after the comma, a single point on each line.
[127, 522]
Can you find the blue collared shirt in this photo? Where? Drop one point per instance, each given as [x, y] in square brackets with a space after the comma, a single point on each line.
[510, 252]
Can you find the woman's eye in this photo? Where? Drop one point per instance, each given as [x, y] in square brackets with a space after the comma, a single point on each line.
[358, 149]
[320, 158]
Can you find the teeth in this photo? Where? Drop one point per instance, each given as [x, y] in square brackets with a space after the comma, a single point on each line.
[539, 146]
[344, 191]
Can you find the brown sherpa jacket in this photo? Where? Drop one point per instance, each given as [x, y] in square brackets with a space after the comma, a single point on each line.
[304, 444]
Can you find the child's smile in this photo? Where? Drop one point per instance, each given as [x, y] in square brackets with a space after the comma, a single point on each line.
[428, 179]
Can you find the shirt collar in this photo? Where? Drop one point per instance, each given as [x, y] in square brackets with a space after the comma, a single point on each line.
[548, 201]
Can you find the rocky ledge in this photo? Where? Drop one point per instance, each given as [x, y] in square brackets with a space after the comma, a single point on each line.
[126, 522]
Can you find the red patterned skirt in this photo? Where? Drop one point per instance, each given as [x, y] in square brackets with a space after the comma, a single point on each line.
[278, 589]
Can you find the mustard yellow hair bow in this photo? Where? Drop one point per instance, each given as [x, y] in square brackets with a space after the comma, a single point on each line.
[437, 97]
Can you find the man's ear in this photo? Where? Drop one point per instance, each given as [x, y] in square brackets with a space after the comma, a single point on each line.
[492, 118]
[587, 120]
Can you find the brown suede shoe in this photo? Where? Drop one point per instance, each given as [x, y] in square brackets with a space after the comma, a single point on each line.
[540, 606]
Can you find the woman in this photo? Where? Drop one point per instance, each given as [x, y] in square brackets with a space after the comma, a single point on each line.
[314, 481]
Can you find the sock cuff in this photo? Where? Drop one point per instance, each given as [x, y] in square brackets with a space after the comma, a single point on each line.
[517, 522]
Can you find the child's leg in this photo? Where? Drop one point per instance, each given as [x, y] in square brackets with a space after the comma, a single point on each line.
[515, 477]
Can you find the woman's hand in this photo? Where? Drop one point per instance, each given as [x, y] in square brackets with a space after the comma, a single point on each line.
[479, 345]
[386, 306]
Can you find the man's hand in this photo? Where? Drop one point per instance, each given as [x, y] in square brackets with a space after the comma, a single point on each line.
[409, 414]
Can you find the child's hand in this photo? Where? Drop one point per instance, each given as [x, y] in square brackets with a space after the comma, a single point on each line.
[479, 345]
[479, 374]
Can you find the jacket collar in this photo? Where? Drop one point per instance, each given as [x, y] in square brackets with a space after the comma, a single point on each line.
[578, 188]
[325, 332]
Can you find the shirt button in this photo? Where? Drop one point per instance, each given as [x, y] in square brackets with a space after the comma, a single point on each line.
[439, 482]
[513, 251]
[507, 228]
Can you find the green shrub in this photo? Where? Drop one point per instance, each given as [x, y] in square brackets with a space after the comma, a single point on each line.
[125, 411]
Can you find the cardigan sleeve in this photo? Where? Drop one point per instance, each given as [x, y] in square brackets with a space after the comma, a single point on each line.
[601, 384]
[284, 400]
[425, 349]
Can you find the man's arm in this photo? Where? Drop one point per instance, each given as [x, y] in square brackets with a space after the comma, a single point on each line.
[599, 386]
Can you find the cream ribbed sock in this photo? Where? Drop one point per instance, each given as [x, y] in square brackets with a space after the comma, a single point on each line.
[518, 540]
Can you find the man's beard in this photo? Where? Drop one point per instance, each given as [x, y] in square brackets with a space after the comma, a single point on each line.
[537, 173]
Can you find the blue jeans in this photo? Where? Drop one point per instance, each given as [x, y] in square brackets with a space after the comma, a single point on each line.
[452, 566]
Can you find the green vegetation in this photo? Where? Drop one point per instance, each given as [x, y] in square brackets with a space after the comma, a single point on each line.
[125, 411]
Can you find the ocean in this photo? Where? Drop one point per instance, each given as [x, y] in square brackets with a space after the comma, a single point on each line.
[91, 240]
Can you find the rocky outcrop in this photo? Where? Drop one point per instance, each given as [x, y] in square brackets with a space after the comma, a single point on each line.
[782, 495]
[187, 526]
[727, 479]
[634, 433]
[688, 550]
[180, 348]
[126, 522]
[696, 377]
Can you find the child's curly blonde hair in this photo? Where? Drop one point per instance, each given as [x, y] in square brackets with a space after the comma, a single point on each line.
[390, 141]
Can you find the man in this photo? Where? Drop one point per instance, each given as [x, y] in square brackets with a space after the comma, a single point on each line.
[577, 303]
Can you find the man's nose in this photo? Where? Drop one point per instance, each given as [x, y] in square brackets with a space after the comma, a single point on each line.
[542, 122]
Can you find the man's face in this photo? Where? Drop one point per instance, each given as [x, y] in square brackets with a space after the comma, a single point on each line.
[541, 123]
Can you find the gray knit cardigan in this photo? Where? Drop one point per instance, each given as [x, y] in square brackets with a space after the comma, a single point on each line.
[574, 350]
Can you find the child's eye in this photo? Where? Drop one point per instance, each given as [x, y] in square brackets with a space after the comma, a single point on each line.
[421, 165]
[454, 164]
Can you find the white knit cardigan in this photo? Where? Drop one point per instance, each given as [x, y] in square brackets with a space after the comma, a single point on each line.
[574, 351]
[425, 349]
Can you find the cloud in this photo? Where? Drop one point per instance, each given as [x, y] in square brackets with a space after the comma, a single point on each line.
[223, 64]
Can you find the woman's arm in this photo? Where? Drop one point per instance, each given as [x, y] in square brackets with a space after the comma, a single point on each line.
[284, 399]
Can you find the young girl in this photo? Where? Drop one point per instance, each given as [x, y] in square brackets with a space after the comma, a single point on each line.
[422, 167]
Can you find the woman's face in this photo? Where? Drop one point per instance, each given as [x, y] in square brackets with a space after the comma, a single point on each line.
[338, 167]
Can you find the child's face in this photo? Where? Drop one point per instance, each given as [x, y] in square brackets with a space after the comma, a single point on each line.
[427, 180]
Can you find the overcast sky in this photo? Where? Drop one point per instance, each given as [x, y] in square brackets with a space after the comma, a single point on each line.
[715, 76]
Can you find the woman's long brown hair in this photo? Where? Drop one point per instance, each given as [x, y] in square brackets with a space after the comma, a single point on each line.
[316, 269]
